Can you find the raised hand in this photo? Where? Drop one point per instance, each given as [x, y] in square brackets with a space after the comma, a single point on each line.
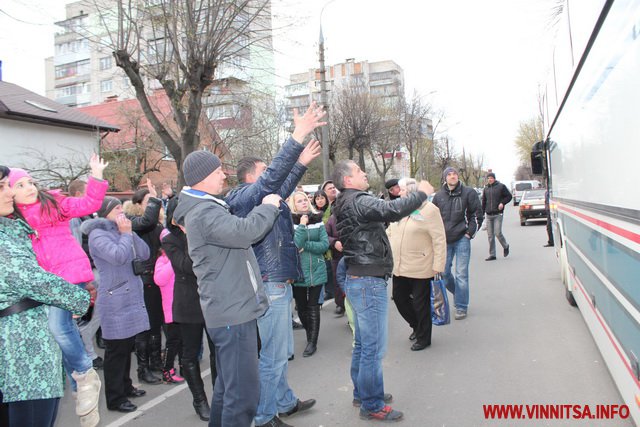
[310, 152]
[167, 191]
[97, 166]
[425, 187]
[304, 220]
[272, 199]
[151, 188]
[306, 123]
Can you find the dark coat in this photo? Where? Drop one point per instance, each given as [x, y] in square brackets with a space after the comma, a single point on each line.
[186, 300]
[460, 209]
[276, 253]
[493, 195]
[360, 219]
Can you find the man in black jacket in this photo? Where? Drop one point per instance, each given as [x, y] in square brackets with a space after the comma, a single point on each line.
[460, 210]
[494, 198]
[360, 222]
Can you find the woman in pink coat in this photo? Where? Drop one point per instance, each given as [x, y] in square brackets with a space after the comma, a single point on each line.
[48, 213]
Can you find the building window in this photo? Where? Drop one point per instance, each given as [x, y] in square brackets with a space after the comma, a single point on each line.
[105, 63]
[125, 82]
[106, 86]
[225, 111]
[73, 69]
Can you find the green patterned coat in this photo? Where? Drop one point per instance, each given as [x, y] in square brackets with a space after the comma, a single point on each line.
[30, 359]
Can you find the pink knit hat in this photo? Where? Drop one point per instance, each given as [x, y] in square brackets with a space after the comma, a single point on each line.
[16, 174]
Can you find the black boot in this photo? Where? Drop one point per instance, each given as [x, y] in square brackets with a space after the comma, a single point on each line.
[313, 329]
[142, 354]
[196, 385]
[155, 353]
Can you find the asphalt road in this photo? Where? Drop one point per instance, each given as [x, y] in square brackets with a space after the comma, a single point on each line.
[521, 344]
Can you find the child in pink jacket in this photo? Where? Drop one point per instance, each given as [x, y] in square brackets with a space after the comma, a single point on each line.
[57, 251]
[165, 278]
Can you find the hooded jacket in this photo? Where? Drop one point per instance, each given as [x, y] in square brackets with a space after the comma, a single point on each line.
[493, 195]
[459, 209]
[313, 242]
[56, 249]
[360, 219]
[120, 300]
[277, 254]
[229, 284]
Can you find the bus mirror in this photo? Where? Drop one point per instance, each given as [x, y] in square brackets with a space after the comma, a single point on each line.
[537, 158]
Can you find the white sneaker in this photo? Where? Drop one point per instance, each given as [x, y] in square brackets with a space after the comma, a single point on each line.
[88, 391]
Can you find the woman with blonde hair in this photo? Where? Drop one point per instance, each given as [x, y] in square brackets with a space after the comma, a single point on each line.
[419, 248]
[312, 242]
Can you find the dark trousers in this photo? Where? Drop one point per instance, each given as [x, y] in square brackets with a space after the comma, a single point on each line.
[339, 293]
[329, 287]
[237, 390]
[306, 296]
[33, 413]
[549, 229]
[153, 303]
[191, 343]
[173, 345]
[413, 300]
[117, 365]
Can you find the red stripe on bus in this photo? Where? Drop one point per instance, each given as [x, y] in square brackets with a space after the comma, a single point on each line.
[606, 330]
[630, 235]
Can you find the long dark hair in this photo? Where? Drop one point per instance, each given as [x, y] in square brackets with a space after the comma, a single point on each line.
[48, 201]
[320, 193]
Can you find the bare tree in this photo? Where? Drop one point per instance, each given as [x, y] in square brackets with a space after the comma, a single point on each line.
[416, 131]
[55, 170]
[387, 141]
[356, 114]
[179, 46]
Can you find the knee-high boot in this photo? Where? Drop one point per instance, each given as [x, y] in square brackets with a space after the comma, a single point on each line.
[142, 354]
[196, 386]
[155, 353]
[313, 329]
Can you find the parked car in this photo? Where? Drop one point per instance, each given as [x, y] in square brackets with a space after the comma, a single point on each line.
[519, 187]
[532, 206]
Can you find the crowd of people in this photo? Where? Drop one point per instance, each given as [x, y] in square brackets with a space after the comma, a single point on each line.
[227, 266]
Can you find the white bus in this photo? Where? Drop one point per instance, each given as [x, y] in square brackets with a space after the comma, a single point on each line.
[591, 158]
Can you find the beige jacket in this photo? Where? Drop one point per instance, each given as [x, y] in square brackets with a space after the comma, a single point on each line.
[419, 244]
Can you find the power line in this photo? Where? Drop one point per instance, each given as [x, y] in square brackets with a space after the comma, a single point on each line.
[24, 22]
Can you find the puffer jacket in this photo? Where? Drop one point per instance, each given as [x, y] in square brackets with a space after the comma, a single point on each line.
[30, 360]
[56, 249]
[460, 210]
[229, 284]
[313, 242]
[360, 219]
[165, 278]
[120, 299]
[418, 244]
[493, 195]
[277, 254]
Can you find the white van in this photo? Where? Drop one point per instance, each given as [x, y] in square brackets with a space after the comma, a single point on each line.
[519, 187]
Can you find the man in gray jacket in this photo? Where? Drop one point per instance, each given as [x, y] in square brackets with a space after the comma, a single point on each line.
[231, 292]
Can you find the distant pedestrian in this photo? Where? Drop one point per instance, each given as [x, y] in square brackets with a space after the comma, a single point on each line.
[460, 208]
[547, 206]
[393, 189]
[495, 197]
[360, 221]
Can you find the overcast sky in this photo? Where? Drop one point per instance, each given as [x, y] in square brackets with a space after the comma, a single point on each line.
[481, 62]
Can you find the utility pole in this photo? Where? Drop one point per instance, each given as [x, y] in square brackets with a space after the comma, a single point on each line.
[324, 102]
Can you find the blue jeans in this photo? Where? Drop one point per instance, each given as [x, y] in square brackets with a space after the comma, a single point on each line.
[368, 297]
[458, 285]
[276, 338]
[65, 331]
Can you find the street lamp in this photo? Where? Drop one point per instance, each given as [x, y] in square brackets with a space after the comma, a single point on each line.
[324, 101]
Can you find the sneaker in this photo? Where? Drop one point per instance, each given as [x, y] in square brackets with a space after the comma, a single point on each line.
[388, 398]
[506, 252]
[460, 314]
[491, 258]
[274, 422]
[296, 325]
[339, 311]
[98, 363]
[385, 414]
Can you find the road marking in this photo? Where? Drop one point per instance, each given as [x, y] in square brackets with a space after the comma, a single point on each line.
[153, 402]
